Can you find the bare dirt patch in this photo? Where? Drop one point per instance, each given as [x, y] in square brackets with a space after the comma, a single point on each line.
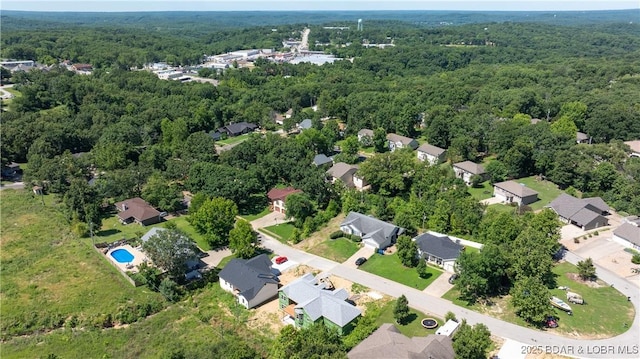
[591, 283]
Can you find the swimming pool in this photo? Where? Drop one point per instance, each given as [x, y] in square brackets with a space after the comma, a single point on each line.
[122, 256]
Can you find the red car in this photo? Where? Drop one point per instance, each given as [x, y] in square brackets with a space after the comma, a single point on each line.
[281, 260]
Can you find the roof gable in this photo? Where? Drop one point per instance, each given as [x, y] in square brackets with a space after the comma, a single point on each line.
[628, 232]
[470, 167]
[321, 159]
[438, 245]
[431, 149]
[582, 211]
[371, 227]
[137, 208]
[249, 276]
[281, 193]
[515, 188]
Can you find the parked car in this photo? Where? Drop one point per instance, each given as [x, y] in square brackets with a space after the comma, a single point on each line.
[281, 260]
[551, 322]
[360, 261]
[453, 278]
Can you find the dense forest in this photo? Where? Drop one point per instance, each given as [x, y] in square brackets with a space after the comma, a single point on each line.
[472, 89]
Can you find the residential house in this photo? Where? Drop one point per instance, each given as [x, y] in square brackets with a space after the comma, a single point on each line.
[467, 169]
[250, 280]
[322, 160]
[82, 69]
[215, 135]
[365, 137]
[305, 124]
[586, 213]
[397, 141]
[628, 234]
[514, 192]
[635, 147]
[138, 211]
[280, 117]
[438, 249]
[388, 343]
[307, 301]
[430, 153]
[347, 174]
[277, 197]
[374, 232]
[582, 138]
[237, 129]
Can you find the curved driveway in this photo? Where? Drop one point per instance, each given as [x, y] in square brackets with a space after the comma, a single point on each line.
[535, 341]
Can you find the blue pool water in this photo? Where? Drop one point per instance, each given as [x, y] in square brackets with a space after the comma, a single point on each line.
[122, 256]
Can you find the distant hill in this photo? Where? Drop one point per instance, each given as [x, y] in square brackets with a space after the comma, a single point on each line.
[211, 20]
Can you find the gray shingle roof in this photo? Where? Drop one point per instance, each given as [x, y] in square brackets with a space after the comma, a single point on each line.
[152, 232]
[388, 343]
[628, 232]
[371, 227]
[398, 138]
[517, 189]
[321, 159]
[581, 211]
[305, 124]
[249, 276]
[438, 245]
[431, 149]
[365, 132]
[470, 167]
[343, 171]
[311, 296]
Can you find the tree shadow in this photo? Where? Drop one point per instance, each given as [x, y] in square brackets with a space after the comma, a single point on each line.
[108, 232]
[409, 319]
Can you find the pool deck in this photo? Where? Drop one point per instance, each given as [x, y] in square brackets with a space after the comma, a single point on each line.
[138, 258]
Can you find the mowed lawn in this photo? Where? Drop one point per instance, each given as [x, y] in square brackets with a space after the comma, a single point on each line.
[48, 274]
[413, 328]
[547, 191]
[484, 191]
[338, 250]
[390, 267]
[604, 314]
[112, 230]
[281, 232]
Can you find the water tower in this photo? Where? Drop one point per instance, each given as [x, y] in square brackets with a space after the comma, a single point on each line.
[359, 24]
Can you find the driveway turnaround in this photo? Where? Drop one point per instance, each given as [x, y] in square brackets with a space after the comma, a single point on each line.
[533, 341]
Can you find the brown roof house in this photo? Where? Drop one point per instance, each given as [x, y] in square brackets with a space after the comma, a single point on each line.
[397, 141]
[388, 343]
[431, 153]
[467, 169]
[138, 211]
[628, 234]
[347, 174]
[586, 213]
[277, 197]
[514, 192]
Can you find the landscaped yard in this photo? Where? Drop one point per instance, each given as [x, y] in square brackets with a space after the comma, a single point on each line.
[389, 266]
[483, 192]
[254, 216]
[604, 314]
[281, 232]
[338, 250]
[411, 329]
[232, 140]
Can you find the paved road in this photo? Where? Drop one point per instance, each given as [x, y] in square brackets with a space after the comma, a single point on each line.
[6, 94]
[304, 44]
[603, 348]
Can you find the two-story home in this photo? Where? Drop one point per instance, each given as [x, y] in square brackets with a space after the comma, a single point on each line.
[307, 301]
[347, 174]
[438, 249]
[396, 141]
[250, 280]
[431, 154]
[467, 169]
[375, 233]
[514, 192]
[278, 196]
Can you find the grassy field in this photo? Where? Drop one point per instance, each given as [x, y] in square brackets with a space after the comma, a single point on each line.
[604, 314]
[281, 232]
[483, 192]
[389, 266]
[547, 191]
[48, 275]
[51, 279]
[232, 140]
[338, 250]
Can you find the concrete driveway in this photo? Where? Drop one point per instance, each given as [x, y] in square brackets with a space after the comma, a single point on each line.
[215, 256]
[440, 286]
[490, 201]
[270, 219]
[364, 251]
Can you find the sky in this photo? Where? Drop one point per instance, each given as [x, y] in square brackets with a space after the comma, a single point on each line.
[279, 5]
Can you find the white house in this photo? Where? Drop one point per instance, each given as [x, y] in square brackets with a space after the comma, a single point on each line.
[347, 174]
[251, 281]
[431, 154]
[397, 141]
[438, 249]
[467, 169]
[628, 234]
[365, 136]
[513, 192]
[278, 196]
